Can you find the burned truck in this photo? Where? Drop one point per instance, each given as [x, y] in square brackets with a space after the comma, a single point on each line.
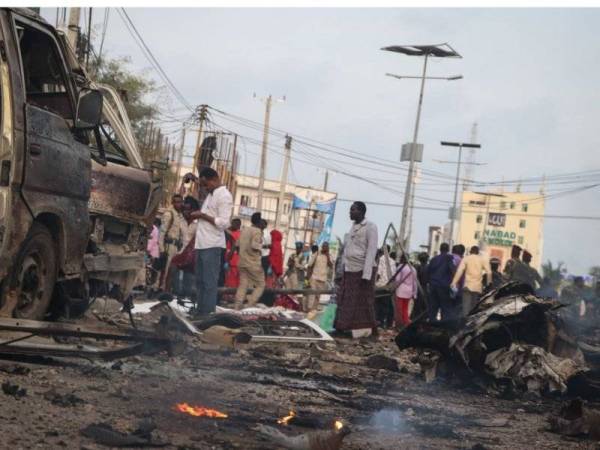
[75, 200]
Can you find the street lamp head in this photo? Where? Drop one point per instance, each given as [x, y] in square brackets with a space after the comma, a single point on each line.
[455, 77]
[438, 50]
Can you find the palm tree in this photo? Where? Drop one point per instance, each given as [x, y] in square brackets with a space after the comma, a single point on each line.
[595, 272]
[554, 273]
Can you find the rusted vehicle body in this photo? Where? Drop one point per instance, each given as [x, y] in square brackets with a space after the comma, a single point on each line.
[73, 211]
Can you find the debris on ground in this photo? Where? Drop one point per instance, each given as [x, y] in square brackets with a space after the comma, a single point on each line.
[511, 336]
[316, 440]
[13, 390]
[382, 362]
[104, 434]
[64, 400]
[575, 419]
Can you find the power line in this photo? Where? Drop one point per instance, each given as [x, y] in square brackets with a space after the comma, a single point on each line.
[151, 58]
[429, 208]
[560, 178]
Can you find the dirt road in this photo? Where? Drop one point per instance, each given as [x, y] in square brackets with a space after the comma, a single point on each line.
[258, 384]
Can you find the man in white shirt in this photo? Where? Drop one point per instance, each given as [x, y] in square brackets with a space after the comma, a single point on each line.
[213, 218]
[266, 247]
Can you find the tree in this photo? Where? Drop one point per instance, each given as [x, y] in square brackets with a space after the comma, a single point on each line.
[595, 272]
[553, 272]
[134, 89]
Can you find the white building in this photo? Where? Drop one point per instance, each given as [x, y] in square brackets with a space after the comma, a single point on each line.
[296, 224]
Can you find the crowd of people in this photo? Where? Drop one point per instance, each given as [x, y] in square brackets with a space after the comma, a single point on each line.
[194, 249]
[379, 290]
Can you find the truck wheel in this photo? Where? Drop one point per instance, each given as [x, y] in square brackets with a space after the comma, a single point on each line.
[34, 275]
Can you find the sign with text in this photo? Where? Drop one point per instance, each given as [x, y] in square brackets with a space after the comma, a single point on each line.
[499, 237]
[497, 219]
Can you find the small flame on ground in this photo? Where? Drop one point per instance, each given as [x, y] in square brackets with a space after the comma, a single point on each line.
[338, 425]
[199, 411]
[286, 420]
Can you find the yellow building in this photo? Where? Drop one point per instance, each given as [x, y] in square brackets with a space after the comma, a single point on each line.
[497, 221]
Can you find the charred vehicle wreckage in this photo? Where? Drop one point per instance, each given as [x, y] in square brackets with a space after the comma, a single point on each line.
[515, 342]
[75, 199]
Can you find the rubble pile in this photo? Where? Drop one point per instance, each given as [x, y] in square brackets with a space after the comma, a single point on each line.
[511, 336]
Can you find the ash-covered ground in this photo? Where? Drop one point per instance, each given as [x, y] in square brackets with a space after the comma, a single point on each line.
[385, 403]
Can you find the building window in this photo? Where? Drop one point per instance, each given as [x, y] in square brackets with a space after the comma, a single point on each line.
[524, 207]
[522, 223]
[502, 205]
[477, 234]
[479, 219]
[520, 240]
[512, 205]
[286, 208]
[245, 200]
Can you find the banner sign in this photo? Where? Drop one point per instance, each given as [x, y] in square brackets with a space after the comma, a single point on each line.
[497, 219]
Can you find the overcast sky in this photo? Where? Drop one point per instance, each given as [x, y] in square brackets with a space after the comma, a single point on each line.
[530, 82]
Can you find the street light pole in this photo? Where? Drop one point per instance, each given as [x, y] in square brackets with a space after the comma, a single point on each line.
[411, 167]
[427, 51]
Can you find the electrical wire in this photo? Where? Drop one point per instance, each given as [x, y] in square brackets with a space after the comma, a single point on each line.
[151, 58]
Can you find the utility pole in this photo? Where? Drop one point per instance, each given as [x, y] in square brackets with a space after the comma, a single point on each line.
[283, 182]
[460, 146]
[180, 157]
[88, 40]
[263, 155]
[73, 28]
[201, 119]
[326, 180]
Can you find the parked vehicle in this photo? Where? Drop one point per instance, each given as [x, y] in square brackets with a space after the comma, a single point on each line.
[75, 204]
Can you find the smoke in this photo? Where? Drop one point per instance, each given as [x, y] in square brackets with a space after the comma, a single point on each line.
[389, 421]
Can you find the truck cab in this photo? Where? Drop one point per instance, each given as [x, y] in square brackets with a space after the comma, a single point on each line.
[74, 206]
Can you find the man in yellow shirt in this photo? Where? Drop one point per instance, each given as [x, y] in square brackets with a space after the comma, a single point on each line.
[473, 267]
[318, 273]
[250, 267]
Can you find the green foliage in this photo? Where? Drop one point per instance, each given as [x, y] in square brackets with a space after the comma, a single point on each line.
[134, 88]
[554, 272]
[595, 272]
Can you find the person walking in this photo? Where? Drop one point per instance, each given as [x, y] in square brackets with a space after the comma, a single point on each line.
[440, 272]
[472, 267]
[356, 299]
[213, 218]
[296, 268]
[515, 260]
[250, 266]
[384, 306]
[497, 278]
[276, 254]
[522, 272]
[319, 268]
[232, 255]
[171, 235]
[421, 302]
[266, 249]
[406, 290]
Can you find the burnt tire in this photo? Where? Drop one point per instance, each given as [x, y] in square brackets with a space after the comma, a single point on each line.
[33, 276]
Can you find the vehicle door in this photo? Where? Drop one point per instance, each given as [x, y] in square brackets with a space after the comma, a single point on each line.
[57, 168]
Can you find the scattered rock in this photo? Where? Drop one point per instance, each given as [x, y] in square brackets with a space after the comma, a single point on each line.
[104, 434]
[383, 362]
[14, 390]
[63, 400]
